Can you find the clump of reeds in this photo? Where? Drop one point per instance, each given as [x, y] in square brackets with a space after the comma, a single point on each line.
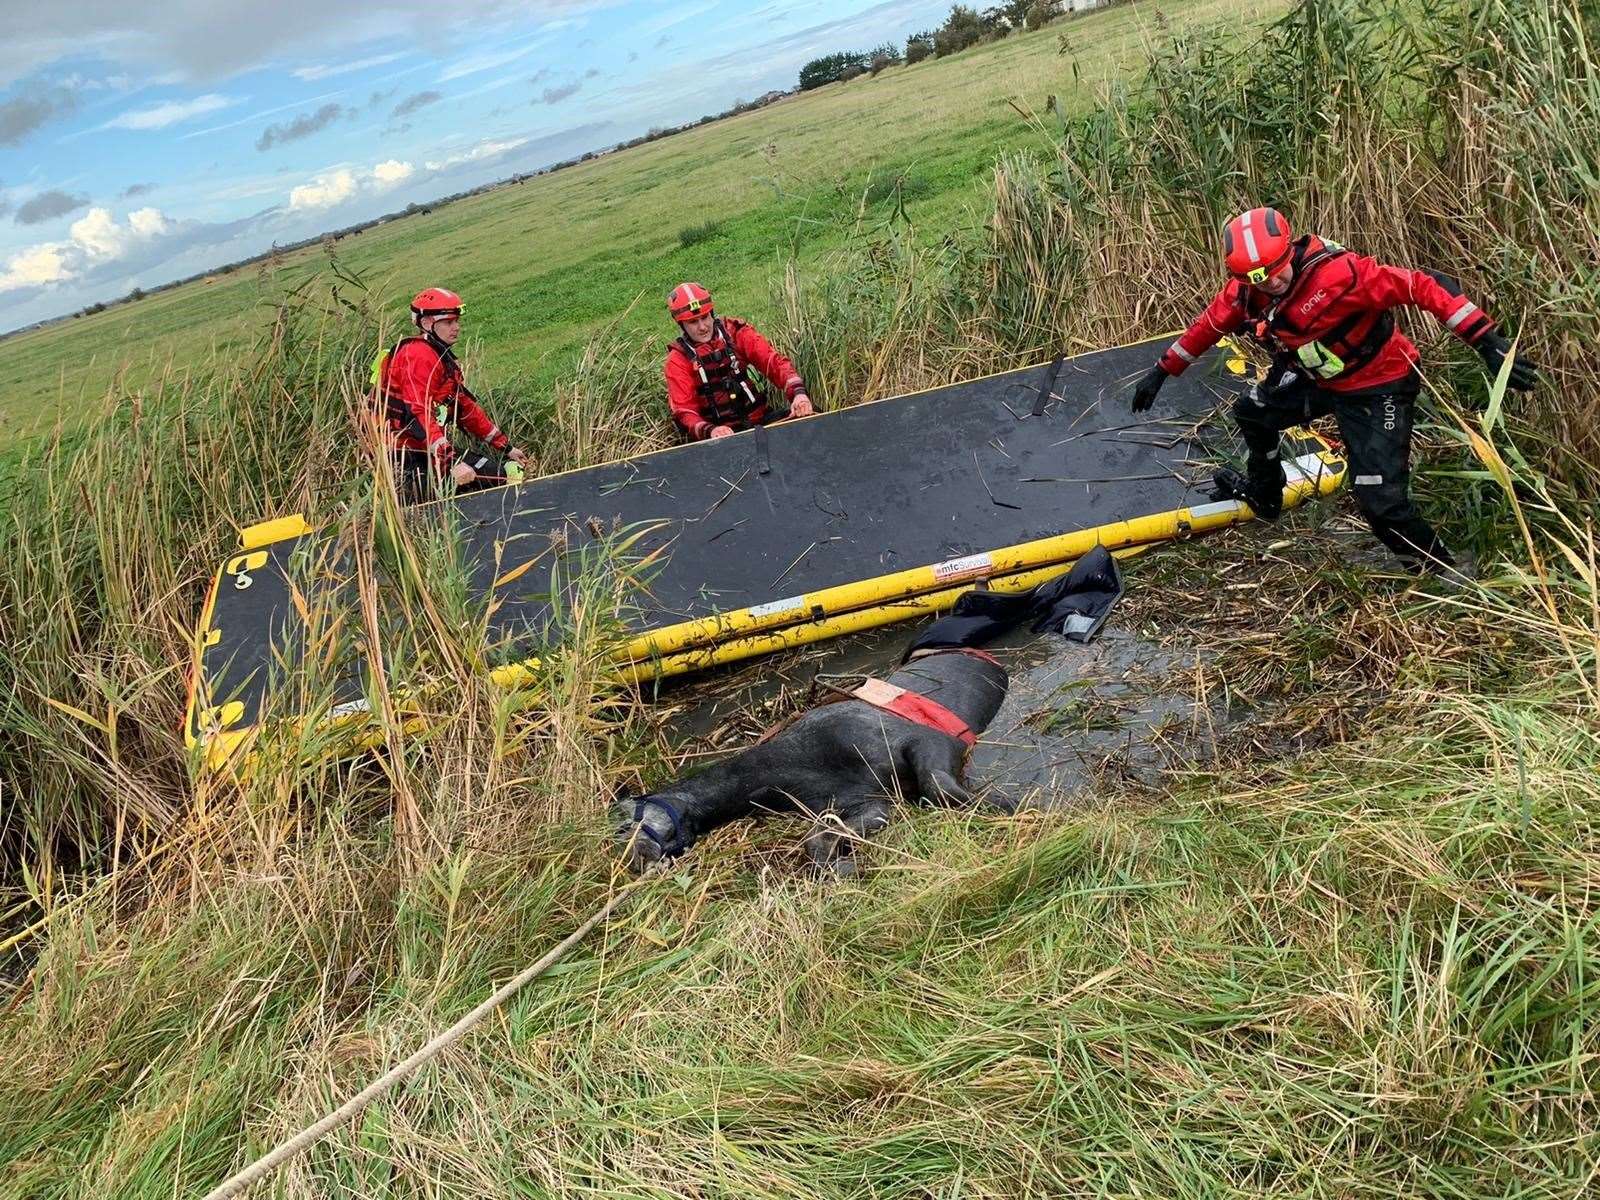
[109, 538]
[1464, 140]
[110, 542]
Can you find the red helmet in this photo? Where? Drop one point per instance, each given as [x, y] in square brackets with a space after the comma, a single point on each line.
[436, 302]
[1256, 244]
[688, 301]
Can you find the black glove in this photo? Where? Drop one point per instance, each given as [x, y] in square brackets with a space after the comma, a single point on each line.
[1145, 394]
[1524, 374]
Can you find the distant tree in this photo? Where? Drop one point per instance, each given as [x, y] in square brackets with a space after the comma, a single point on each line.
[919, 46]
[1041, 12]
[831, 68]
[962, 28]
[136, 294]
[1009, 14]
[882, 56]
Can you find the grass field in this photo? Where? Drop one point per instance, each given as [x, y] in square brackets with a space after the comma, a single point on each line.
[1353, 951]
[546, 263]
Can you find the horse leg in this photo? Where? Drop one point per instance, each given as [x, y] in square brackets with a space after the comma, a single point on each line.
[831, 845]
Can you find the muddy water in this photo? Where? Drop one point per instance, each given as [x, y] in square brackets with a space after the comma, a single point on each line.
[1077, 719]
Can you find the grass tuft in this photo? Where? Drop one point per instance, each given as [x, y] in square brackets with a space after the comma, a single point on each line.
[693, 235]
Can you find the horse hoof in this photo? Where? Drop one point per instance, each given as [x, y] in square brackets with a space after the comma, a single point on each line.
[640, 850]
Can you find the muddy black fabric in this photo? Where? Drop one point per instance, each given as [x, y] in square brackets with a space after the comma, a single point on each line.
[1376, 427]
[419, 481]
[1074, 604]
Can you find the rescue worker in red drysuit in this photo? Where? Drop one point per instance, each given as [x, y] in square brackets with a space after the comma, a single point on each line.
[423, 395]
[707, 370]
[1324, 312]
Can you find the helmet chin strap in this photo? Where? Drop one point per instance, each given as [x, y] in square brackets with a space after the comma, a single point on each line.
[434, 339]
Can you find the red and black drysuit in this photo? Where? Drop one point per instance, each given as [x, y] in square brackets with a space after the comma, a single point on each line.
[423, 396]
[1338, 350]
[710, 384]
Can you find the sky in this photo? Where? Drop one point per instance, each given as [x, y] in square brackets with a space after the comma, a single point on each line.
[144, 143]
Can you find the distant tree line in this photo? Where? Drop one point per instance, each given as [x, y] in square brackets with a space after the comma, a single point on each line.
[964, 27]
[847, 64]
[327, 239]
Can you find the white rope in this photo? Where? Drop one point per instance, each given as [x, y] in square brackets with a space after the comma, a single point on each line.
[275, 1158]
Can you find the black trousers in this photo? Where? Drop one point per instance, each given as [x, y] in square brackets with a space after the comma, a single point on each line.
[1376, 427]
[419, 481]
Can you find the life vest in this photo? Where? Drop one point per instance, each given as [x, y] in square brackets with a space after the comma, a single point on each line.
[727, 392]
[1348, 346]
[396, 414]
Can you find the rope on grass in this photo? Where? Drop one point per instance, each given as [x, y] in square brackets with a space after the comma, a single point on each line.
[275, 1158]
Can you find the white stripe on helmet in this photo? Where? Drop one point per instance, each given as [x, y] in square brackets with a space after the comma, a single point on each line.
[1250, 236]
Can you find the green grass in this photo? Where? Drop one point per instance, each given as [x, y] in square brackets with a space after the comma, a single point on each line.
[1349, 976]
[545, 264]
[1352, 954]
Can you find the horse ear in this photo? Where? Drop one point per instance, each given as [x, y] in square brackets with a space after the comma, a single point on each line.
[622, 793]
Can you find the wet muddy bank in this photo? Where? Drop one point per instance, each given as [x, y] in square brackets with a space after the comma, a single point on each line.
[1078, 720]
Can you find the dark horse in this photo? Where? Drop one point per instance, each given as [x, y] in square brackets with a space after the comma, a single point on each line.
[842, 762]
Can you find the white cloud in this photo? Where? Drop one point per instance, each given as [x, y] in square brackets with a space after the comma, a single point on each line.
[98, 234]
[36, 265]
[387, 174]
[93, 240]
[486, 149]
[338, 185]
[333, 187]
[77, 81]
[159, 116]
[148, 223]
[325, 70]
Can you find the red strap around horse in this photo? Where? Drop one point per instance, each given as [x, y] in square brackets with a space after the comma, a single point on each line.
[902, 703]
[915, 707]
